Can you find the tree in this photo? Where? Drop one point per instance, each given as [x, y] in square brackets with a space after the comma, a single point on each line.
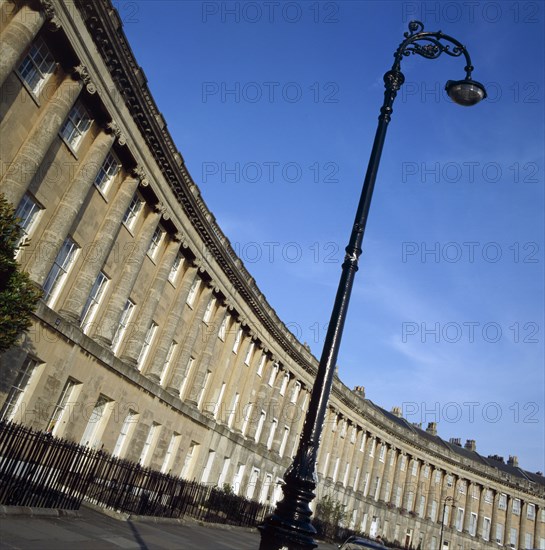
[332, 514]
[18, 295]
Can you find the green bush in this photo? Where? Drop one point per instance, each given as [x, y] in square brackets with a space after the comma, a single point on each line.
[18, 295]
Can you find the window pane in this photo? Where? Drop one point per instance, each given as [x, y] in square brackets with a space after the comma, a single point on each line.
[61, 266]
[37, 65]
[107, 172]
[155, 241]
[76, 125]
[15, 397]
[123, 323]
[132, 211]
[93, 301]
[63, 401]
[27, 214]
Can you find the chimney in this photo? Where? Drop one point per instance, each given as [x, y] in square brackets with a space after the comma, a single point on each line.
[396, 411]
[471, 445]
[360, 391]
[432, 428]
[513, 461]
[497, 458]
[455, 441]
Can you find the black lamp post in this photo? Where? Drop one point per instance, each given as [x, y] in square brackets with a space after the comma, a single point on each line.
[289, 528]
[447, 499]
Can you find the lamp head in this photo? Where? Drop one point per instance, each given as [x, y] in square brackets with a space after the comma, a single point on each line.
[465, 92]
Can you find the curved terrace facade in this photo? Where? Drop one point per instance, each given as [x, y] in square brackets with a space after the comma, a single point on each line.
[152, 340]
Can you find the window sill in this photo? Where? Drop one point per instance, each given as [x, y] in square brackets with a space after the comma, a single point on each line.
[33, 95]
[69, 147]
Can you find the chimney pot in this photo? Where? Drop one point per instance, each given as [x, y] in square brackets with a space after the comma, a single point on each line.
[360, 390]
[513, 461]
[432, 428]
[396, 411]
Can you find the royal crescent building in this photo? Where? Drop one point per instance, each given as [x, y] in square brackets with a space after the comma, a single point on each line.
[152, 340]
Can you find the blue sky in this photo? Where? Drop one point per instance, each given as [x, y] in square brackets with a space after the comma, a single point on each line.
[274, 107]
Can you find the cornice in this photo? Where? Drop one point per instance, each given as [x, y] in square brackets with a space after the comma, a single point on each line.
[105, 27]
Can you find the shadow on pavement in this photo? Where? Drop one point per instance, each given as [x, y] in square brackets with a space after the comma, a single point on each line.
[138, 538]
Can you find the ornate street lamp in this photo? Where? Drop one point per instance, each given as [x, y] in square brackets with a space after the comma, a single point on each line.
[447, 499]
[289, 528]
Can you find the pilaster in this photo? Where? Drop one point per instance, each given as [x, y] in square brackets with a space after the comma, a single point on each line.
[147, 311]
[70, 205]
[171, 327]
[17, 36]
[99, 250]
[131, 267]
[30, 156]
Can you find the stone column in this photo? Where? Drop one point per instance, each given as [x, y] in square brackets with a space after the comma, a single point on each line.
[408, 485]
[17, 36]
[418, 491]
[261, 399]
[329, 442]
[494, 516]
[371, 441]
[376, 466]
[134, 344]
[302, 405]
[244, 386]
[29, 157]
[286, 419]
[435, 497]
[480, 512]
[282, 423]
[70, 205]
[234, 366]
[397, 474]
[327, 436]
[351, 456]
[521, 527]
[425, 487]
[207, 355]
[98, 253]
[508, 521]
[468, 507]
[454, 503]
[131, 268]
[249, 389]
[443, 489]
[171, 326]
[346, 456]
[188, 346]
[539, 526]
[387, 473]
[272, 411]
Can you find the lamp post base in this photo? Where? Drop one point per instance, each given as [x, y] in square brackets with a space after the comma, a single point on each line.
[289, 528]
[276, 537]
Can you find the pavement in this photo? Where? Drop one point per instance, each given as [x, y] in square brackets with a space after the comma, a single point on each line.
[89, 528]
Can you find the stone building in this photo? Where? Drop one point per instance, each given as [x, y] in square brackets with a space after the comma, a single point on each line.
[152, 339]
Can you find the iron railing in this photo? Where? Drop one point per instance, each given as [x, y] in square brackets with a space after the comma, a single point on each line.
[40, 470]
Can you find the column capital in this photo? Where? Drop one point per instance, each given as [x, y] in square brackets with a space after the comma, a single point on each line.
[113, 128]
[48, 10]
[82, 73]
[139, 173]
[162, 208]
